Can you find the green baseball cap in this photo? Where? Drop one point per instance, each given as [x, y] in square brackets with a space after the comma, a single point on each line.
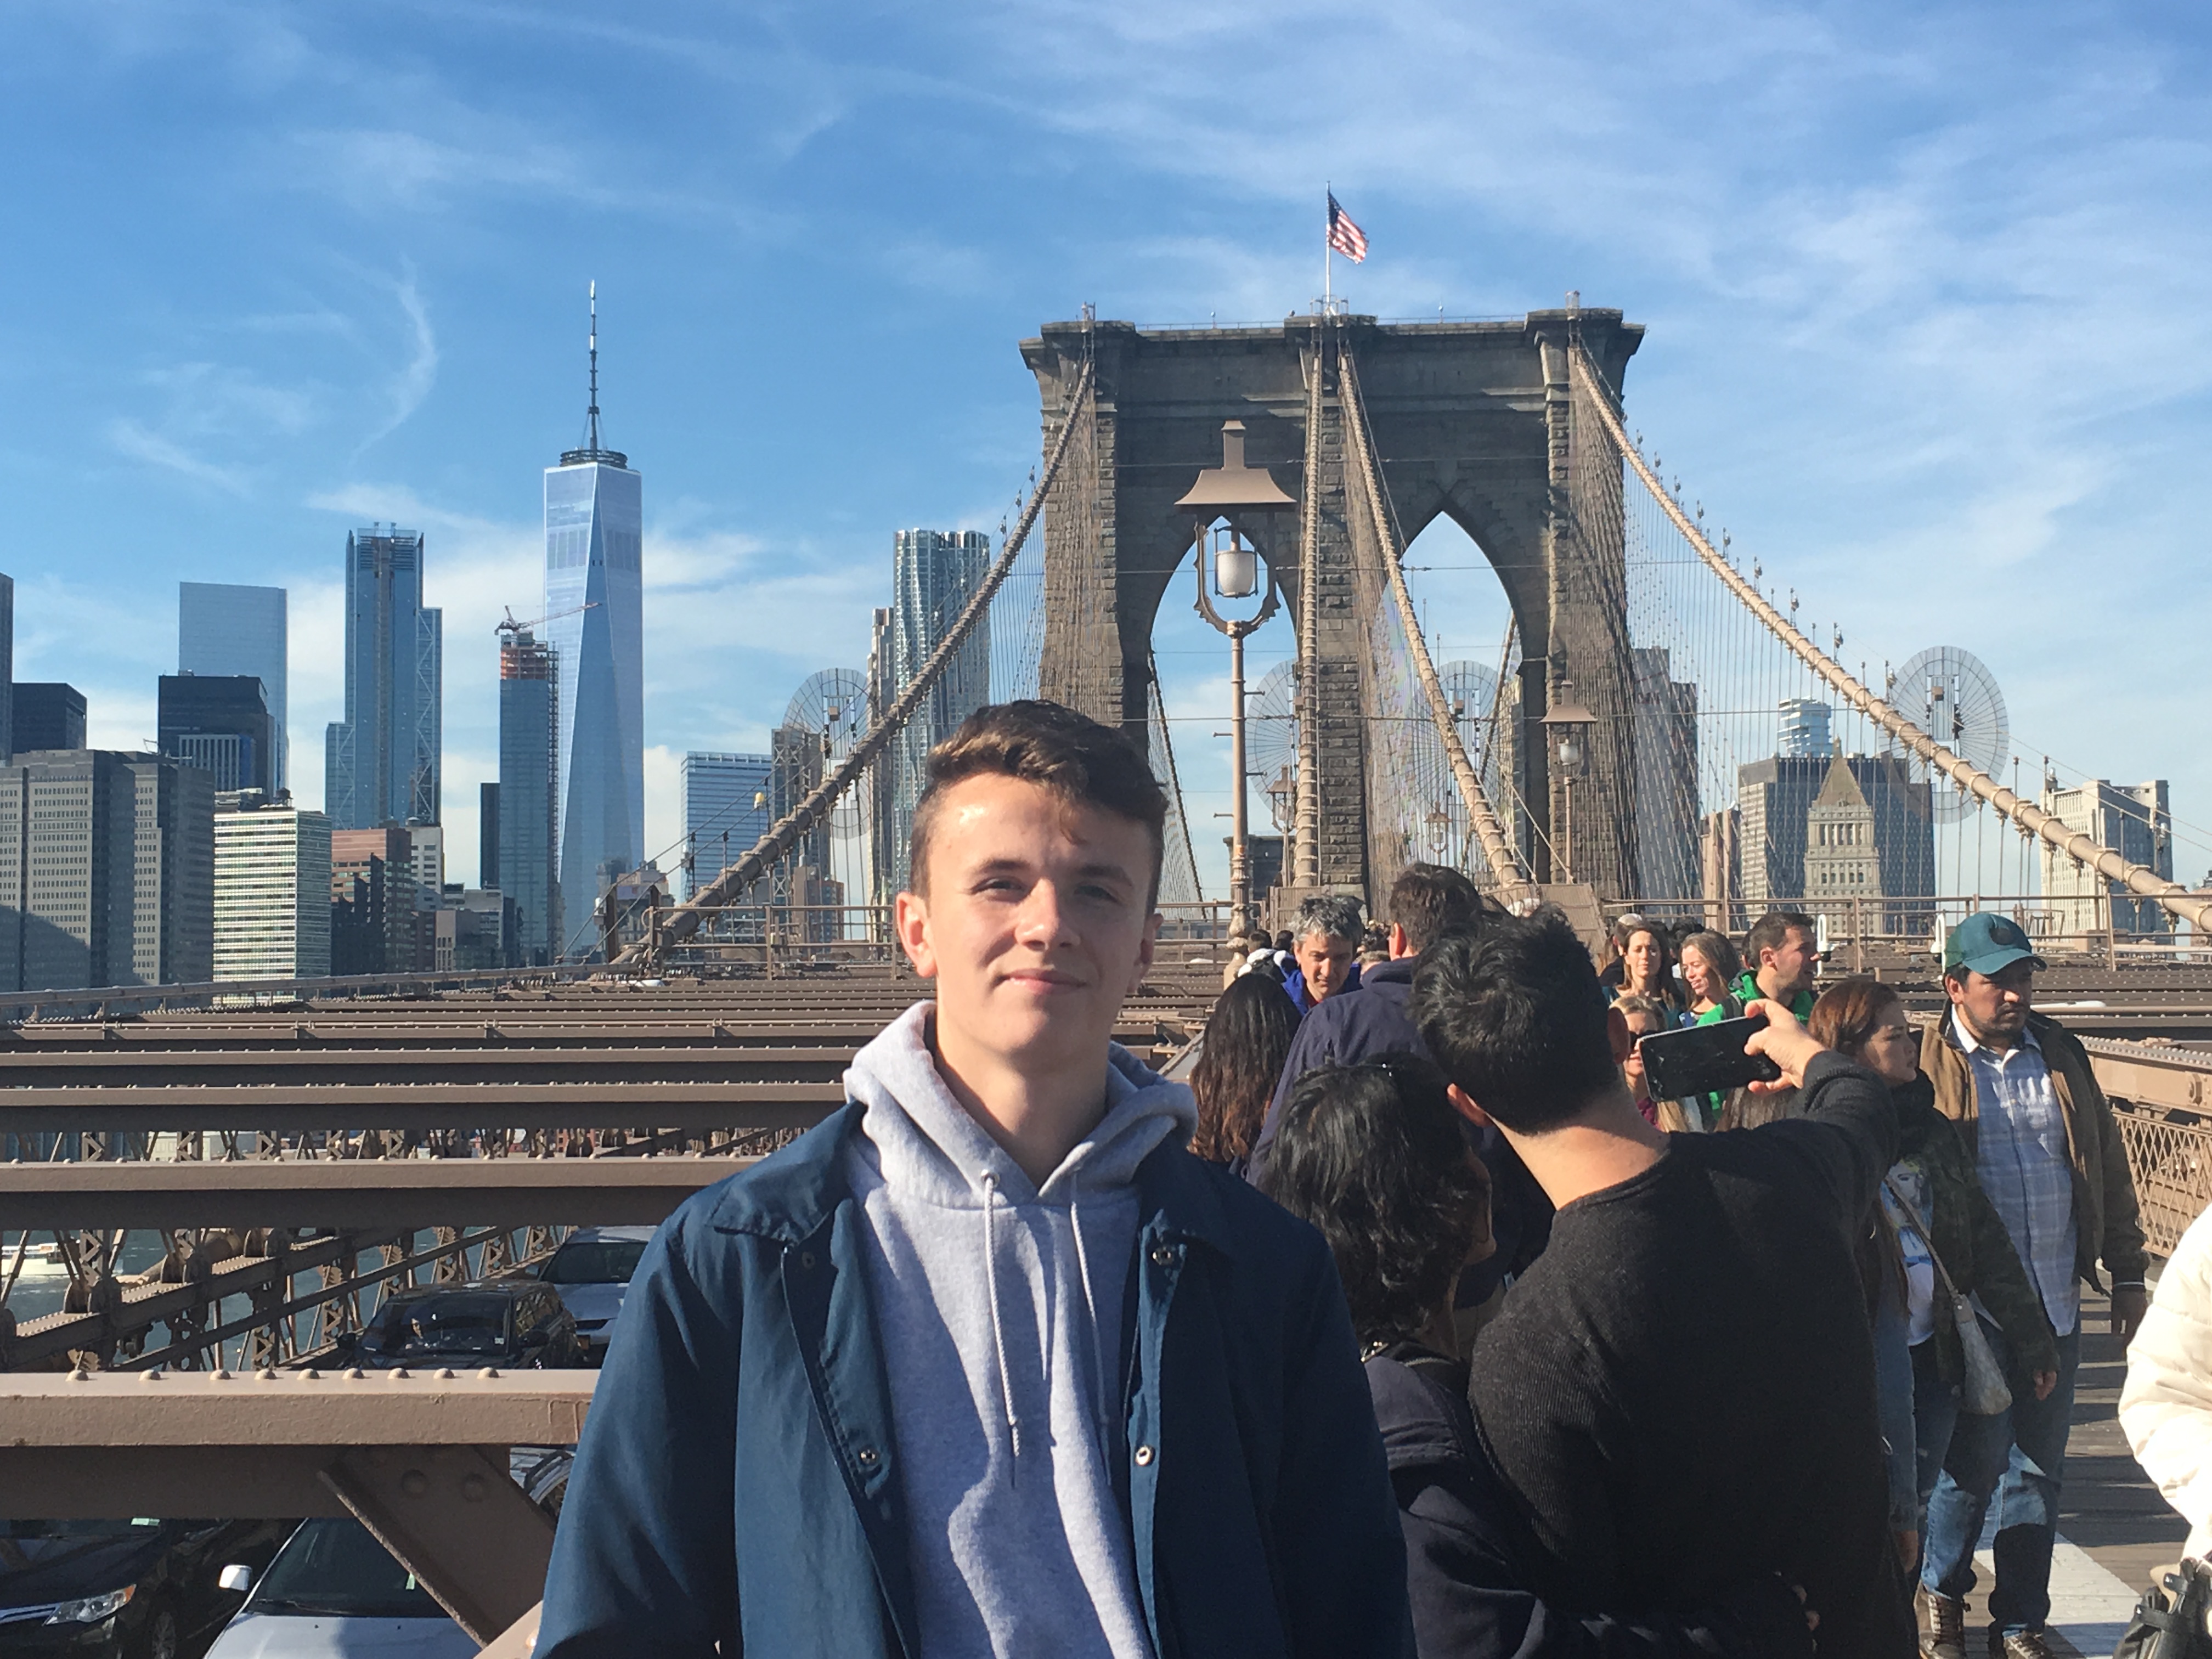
[1986, 943]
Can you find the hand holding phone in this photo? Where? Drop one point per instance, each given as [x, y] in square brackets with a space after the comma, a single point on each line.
[1706, 1060]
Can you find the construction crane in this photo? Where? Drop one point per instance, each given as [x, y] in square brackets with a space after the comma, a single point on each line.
[511, 626]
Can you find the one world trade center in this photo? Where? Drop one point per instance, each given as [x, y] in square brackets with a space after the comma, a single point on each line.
[594, 620]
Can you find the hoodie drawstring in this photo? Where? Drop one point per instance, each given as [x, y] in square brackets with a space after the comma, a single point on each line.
[991, 1289]
[1097, 1400]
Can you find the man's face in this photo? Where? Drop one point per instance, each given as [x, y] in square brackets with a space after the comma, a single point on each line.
[1036, 925]
[1995, 1005]
[1790, 969]
[1326, 961]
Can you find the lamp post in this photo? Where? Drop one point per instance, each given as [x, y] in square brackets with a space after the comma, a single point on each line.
[1221, 496]
[1567, 728]
[1439, 829]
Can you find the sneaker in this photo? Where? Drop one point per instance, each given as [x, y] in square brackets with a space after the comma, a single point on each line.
[1942, 1625]
[2021, 1644]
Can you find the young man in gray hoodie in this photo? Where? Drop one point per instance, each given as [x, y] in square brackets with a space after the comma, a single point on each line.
[988, 1363]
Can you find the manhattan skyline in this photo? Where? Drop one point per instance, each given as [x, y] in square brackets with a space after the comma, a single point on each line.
[1891, 277]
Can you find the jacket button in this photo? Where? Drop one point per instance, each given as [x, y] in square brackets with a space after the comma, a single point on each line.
[1143, 1455]
[1163, 1256]
[806, 1260]
[867, 1456]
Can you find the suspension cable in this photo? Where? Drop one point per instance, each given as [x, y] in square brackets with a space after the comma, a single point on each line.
[684, 920]
[1506, 865]
[1306, 825]
[2192, 907]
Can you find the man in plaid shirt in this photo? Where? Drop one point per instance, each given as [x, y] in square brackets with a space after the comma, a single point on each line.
[2048, 1153]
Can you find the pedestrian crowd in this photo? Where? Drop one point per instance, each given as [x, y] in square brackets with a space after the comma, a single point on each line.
[1413, 1326]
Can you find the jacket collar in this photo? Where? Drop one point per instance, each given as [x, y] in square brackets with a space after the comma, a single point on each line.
[1955, 1031]
[1176, 1194]
[1399, 970]
[788, 1197]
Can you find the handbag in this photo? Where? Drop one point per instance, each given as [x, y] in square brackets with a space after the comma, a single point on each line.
[2169, 1624]
[1985, 1392]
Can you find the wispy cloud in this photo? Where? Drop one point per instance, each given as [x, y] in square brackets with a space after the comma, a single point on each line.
[130, 438]
[411, 382]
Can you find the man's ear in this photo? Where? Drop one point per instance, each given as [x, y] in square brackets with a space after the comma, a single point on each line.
[1617, 1034]
[1145, 952]
[910, 921]
[1464, 1103]
[1400, 945]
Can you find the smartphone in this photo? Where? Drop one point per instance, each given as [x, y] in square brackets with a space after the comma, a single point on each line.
[1705, 1060]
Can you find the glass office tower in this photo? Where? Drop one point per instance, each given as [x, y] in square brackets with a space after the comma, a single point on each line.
[382, 762]
[529, 794]
[224, 629]
[726, 805]
[594, 612]
[933, 575]
[222, 723]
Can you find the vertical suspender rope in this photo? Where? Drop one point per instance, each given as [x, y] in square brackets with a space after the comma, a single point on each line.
[681, 922]
[1504, 863]
[1306, 826]
[2195, 909]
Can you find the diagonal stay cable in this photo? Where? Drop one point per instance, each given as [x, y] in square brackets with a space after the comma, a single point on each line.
[2195, 909]
[684, 920]
[1506, 865]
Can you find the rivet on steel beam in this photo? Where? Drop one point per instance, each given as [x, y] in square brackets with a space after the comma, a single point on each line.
[218, 1376]
[80, 1374]
[153, 1376]
[489, 1371]
[398, 1373]
[267, 1373]
[354, 1374]
[414, 1483]
[311, 1375]
[473, 1488]
[446, 1374]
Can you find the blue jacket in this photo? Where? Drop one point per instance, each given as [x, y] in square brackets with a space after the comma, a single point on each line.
[738, 1483]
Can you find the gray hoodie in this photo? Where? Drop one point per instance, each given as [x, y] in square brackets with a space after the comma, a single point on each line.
[999, 1307]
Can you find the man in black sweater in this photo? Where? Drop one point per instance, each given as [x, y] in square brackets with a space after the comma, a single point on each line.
[1681, 1389]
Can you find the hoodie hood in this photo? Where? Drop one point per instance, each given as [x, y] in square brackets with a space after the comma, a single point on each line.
[926, 1145]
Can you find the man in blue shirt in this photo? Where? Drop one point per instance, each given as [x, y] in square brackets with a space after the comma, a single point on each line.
[2048, 1153]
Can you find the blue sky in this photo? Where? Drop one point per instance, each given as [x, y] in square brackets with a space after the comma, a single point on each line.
[1926, 292]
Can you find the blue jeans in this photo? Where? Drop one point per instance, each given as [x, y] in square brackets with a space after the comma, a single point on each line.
[2019, 1457]
[1934, 1415]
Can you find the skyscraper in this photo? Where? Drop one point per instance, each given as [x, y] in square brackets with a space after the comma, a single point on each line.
[381, 763]
[107, 871]
[272, 890]
[594, 620]
[2134, 820]
[1775, 798]
[221, 723]
[935, 573]
[529, 794]
[725, 811]
[7, 662]
[48, 716]
[222, 628]
[1804, 728]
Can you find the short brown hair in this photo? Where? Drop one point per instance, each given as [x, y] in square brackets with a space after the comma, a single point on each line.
[1429, 900]
[1847, 1014]
[1070, 755]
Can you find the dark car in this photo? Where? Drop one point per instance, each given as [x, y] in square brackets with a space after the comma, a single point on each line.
[511, 1323]
[143, 1589]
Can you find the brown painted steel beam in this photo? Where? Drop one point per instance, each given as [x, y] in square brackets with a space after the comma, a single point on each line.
[419, 1459]
[291, 1109]
[395, 1194]
[480, 1064]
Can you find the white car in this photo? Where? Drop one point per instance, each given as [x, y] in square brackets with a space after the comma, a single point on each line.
[333, 1592]
[592, 1272]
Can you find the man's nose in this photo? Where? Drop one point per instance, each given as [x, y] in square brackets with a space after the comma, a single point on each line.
[1043, 920]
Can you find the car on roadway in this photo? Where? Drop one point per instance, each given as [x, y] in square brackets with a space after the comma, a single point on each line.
[515, 1324]
[121, 1589]
[333, 1592]
[591, 1272]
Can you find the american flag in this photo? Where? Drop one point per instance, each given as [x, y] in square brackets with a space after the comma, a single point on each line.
[1344, 236]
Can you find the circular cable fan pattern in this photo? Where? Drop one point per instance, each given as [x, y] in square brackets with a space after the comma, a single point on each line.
[834, 704]
[1271, 727]
[1954, 697]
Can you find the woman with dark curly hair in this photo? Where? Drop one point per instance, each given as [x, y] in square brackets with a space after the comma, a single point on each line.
[1373, 1156]
[1247, 1037]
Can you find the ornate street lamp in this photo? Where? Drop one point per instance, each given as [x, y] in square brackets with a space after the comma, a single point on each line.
[1567, 729]
[1222, 496]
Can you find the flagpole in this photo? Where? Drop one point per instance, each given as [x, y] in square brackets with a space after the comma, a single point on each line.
[1326, 271]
